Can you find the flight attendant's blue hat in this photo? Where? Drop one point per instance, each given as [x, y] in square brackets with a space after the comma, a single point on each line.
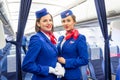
[41, 13]
[66, 13]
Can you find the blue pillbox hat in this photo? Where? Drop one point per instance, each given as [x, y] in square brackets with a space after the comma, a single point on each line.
[66, 13]
[41, 13]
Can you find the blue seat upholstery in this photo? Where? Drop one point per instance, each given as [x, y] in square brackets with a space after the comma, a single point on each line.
[118, 73]
[9, 67]
[84, 72]
[96, 64]
[8, 64]
[115, 58]
[84, 69]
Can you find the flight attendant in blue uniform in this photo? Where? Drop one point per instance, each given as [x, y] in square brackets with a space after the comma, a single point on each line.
[72, 48]
[42, 54]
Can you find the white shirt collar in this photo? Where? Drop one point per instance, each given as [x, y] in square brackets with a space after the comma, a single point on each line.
[46, 35]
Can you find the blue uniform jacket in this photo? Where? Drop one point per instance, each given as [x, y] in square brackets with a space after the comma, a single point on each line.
[40, 56]
[76, 55]
[118, 73]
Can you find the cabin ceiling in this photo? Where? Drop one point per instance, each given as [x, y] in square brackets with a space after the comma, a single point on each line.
[83, 9]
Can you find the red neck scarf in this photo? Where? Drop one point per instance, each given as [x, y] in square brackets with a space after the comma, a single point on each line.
[52, 37]
[72, 33]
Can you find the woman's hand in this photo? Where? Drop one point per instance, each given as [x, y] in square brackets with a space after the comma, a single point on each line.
[61, 60]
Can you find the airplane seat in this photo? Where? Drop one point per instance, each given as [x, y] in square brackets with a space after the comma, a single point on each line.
[84, 69]
[6, 49]
[84, 72]
[9, 67]
[3, 69]
[1, 54]
[96, 64]
[8, 63]
[28, 76]
[3, 78]
[115, 58]
[118, 73]
[3, 62]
